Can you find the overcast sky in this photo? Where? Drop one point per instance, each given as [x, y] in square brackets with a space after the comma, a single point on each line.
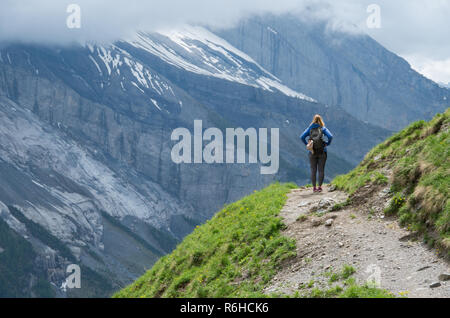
[417, 30]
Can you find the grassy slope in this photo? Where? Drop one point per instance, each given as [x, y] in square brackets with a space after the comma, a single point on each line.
[235, 254]
[418, 156]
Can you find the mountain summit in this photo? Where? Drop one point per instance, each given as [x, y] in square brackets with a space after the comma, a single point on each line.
[352, 71]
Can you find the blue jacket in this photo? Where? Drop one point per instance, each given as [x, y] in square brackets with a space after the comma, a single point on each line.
[326, 132]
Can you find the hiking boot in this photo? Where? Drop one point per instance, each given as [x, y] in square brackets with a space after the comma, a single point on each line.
[315, 189]
[319, 189]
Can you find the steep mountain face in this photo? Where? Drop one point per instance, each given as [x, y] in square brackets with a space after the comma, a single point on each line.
[57, 184]
[199, 51]
[351, 71]
[85, 146]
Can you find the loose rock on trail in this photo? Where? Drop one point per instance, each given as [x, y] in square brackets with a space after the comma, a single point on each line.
[359, 236]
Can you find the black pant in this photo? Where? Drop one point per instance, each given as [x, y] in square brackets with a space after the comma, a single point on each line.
[317, 161]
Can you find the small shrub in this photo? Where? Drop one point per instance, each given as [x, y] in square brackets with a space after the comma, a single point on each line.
[379, 178]
[197, 258]
[347, 271]
[396, 203]
[340, 206]
[334, 278]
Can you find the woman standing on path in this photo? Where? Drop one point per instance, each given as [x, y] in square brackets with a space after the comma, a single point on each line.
[317, 149]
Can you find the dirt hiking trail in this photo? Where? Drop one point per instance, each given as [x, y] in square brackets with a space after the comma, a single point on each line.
[358, 235]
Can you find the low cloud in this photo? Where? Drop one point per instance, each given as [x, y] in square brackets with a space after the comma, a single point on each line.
[408, 27]
[109, 20]
[437, 70]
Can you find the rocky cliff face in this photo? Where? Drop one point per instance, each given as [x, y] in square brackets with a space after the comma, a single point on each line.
[86, 172]
[351, 71]
[61, 186]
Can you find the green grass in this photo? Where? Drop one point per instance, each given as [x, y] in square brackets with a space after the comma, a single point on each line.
[418, 157]
[235, 254]
[397, 201]
[351, 291]
[340, 206]
[347, 272]
[364, 291]
[343, 285]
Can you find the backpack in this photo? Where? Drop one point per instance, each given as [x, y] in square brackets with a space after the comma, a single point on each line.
[316, 135]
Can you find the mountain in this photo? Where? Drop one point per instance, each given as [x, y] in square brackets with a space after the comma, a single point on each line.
[352, 71]
[64, 190]
[85, 153]
[287, 241]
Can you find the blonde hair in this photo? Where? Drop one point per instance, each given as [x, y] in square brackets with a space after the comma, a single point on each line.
[318, 120]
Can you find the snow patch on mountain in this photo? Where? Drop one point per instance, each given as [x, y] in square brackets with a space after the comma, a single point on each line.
[198, 50]
[444, 85]
[112, 61]
[96, 65]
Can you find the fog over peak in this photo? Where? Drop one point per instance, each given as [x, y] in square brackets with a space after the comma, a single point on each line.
[414, 29]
